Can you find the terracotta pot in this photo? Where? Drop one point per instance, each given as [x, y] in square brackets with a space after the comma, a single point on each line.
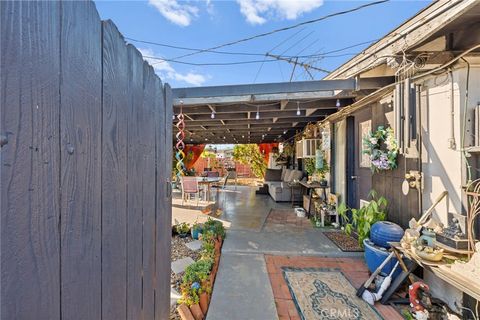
[204, 302]
[185, 312]
[212, 278]
[196, 311]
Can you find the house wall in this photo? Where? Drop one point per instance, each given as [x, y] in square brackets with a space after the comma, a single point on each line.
[443, 166]
[339, 167]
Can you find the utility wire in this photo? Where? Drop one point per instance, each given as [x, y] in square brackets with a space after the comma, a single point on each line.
[283, 29]
[258, 54]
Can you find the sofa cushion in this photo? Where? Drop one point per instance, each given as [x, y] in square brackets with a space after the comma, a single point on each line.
[296, 175]
[286, 173]
[273, 175]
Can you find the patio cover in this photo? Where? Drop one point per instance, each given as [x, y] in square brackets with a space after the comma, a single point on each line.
[234, 108]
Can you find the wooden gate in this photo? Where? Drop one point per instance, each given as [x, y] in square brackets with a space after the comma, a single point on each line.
[85, 162]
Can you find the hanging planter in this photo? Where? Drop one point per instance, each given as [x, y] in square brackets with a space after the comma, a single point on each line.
[382, 148]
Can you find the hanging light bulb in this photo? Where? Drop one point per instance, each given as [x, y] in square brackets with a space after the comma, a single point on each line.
[338, 103]
[298, 108]
[257, 116]
[212, 115]
[173, 117]
[284, 131]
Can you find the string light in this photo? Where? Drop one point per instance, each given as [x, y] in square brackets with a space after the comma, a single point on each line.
[298, 108]
[338, 105]
[257, 116]
[212, 115]
[284, 131]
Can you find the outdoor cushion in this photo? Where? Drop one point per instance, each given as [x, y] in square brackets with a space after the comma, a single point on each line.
[286, 173]
[296, 175]
[273, 175]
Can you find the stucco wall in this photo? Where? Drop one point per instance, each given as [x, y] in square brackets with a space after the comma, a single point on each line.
[443, 166]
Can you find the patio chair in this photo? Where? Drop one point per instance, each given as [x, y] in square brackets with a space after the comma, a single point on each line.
[189, 187]
[213, 174]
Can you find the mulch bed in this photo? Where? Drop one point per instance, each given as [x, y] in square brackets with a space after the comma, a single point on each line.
[345, 242]
[179, 251]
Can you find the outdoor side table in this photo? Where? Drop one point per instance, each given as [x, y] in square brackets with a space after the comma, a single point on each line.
[294, 186]
[309, 188]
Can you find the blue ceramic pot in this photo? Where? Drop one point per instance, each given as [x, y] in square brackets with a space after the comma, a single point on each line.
[196, 233]
[374, 256]
[383, 232]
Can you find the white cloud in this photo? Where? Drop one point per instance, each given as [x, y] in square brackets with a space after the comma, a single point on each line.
[166, 71]
[181, 14]
[257, 11]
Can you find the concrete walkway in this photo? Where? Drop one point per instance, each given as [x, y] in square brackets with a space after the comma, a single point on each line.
[242, 288]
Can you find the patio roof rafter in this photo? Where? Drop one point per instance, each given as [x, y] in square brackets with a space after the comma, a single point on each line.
[273, 108]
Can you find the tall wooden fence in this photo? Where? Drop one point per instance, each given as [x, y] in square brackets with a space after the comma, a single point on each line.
[85, 158]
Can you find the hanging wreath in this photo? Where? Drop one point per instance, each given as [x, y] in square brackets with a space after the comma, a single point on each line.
[382, 148]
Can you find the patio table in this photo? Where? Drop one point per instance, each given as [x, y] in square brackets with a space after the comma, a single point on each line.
[206, 181]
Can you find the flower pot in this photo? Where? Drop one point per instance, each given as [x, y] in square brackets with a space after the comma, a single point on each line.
[383, 232]
[184, 312]
[196, 233]
[196, 311]
[204, 302]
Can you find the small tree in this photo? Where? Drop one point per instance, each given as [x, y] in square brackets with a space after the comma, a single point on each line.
[249, 154]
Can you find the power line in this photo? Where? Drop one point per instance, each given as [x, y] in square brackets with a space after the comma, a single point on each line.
[283, 29]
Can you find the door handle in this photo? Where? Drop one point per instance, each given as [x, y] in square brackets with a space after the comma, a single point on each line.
[353, 177]
[169, 189]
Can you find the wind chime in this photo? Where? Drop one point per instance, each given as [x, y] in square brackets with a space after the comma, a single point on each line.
[180, 146]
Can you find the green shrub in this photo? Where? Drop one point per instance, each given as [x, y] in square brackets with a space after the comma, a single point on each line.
[363, 218]
[214, 226]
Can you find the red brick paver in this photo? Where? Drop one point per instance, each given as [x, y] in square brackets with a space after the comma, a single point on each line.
[354, 269]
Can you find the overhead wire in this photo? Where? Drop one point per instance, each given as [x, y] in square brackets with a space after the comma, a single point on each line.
[338, 13]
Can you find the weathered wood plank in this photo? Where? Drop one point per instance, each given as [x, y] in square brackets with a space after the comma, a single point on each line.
[147, 151]
[30, 244]
[80, 128]
[114, 174]
[134, 172]
[163, 104]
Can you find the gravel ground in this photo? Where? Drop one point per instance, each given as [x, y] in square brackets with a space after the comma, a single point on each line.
[180, 250]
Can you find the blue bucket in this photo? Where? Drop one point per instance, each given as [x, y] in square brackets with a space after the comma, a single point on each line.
[375, 255]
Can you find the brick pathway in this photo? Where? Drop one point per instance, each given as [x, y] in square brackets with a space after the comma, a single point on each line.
[354, 269]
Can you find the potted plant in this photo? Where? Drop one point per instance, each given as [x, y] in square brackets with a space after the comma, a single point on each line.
[362, 219]
[196, 230]
[182, 229]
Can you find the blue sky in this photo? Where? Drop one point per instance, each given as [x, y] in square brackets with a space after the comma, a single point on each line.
[205, 24]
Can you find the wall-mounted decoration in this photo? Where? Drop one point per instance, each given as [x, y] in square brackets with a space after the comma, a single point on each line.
[381, 148]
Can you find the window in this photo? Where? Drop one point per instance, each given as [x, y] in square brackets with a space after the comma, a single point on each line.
[364, 129]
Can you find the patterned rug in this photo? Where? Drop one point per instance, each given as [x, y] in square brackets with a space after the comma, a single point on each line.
[285, 219]
[323, 293]
[345, 242]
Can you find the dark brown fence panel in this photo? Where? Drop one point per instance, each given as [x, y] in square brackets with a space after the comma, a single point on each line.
[147, 149]
[164, 148]
[81, 128]
[114, 174]
[85, 157]
[134, 171]
[30, 68]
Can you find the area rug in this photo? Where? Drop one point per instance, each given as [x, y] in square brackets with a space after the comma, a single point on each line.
[285, 219]
[343, 241]
[325, 293]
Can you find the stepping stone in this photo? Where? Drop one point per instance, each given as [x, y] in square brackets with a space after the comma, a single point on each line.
[194, 245]
[174, 296]
[181, 264]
